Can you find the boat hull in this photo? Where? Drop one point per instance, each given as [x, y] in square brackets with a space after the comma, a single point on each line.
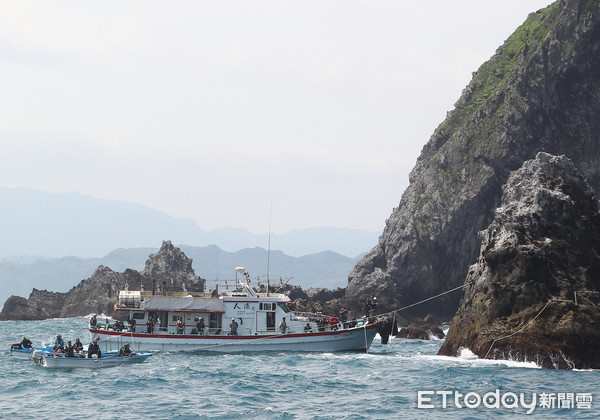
[353, 339]
[58, 361]
[26, 354]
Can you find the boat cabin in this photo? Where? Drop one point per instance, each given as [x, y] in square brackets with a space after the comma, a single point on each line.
[179, 312]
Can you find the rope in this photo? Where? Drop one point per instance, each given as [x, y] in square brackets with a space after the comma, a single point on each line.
[527, 325]
[424, 300]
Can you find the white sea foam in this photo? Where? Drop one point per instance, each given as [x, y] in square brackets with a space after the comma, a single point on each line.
[467, 357]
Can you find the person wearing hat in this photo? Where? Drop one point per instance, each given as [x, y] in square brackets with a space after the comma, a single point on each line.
[94, 348]
[233, 327]
[125, 350]
[59, 343]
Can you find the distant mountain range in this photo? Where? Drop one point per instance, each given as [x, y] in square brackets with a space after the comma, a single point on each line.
[53, 241]
[324, 269]
[71, 224]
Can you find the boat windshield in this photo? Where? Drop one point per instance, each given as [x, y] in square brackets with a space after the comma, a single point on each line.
[284, 306]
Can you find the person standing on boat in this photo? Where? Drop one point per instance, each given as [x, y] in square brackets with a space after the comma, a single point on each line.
[59, 343]
[94, 348]
[150, 325]
[233, 327]
[78, 346]
[131, 324]
[200, 326]
[93, 322]
[283, 326]
[343, 315]
[180, 325]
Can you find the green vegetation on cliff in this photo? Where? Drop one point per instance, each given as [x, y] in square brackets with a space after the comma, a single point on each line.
[491, 79]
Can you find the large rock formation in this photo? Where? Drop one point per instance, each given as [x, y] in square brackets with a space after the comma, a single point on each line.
[41, 304]
[539, 92]
[534, 293]
[169, 268]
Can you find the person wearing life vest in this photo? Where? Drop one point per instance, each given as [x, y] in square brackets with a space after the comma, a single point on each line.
[333, 322]
[180, 326]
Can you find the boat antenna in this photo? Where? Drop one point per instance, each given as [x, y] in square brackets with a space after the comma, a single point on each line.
[269, 244]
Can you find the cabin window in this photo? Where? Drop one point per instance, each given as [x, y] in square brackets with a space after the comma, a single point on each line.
[214, 322]
[174, 318]
[266, 306]
[284, 307]
[138, 315]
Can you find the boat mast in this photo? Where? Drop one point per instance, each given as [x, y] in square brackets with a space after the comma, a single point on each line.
[269, 244]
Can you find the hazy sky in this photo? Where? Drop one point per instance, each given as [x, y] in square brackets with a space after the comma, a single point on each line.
[213, 110]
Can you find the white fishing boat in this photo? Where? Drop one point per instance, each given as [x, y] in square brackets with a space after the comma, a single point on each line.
[235, 321]
[59, 360]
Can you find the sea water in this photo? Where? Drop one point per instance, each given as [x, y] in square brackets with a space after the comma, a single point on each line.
[403, 379]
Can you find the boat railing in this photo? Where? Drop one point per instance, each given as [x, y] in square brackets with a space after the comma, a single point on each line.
[307, 317]
[176, 294]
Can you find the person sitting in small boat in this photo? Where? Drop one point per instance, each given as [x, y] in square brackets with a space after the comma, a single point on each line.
[59, 343]
[308, 328]
[94, 348]
[93, 322]
[180, 326]
[24, 344]
[150, 325]
[233, 327]
[78, 346]
[69, 350]
[283, 326]
[200, 326]
[125, 350]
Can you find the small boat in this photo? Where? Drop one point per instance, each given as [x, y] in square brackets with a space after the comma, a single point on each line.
[27, 353]
[109, 359]
[237, 320]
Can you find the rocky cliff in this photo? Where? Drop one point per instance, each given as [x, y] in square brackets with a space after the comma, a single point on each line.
[169, 268]
[534, 293]
[539, 92]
